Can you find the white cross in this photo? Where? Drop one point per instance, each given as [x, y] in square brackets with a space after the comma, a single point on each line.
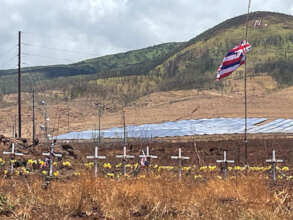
[124, 158]
[225, 161]
[179, 158]
[96, 157]
[13, 154]
[51, 155]
[273, 161]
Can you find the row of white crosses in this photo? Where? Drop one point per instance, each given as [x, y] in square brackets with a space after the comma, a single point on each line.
[51, 155]
[125, 157]
[273, 161]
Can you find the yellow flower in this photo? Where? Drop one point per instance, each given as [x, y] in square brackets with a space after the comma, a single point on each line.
[66, 164]
[203, 168]
[5, 172]
[76, 173]
[45, 172]
[107, 165]
[128, 165]
[237, 168]
[31, 162]
[55, 164]
[2, 162]
[17, 173]
[110, 174]
[230, 168]
[25, 171]
[56, 173]
[135, 165]
[212, 168]
[197, 176]
[166, 168]
[42, 163]
[89, 165]
[285, 169]
[258, 169]
[156, 166]
[186, 168]
[118, 165]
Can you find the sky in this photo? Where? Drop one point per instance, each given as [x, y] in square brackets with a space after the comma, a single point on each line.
[68, 31]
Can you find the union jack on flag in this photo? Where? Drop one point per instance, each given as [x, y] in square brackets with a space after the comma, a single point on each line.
[233, 59]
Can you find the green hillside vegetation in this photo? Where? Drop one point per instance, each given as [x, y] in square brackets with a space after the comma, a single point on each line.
[195, 65]
[137, 62]
[171, 66]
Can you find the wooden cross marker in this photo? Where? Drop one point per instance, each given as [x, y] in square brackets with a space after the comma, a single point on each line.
[12, 156]
[96, 157]
[225, 161]
[273, 161]
[179, 158]
[124, 158]
[148, 157]
[51, 155]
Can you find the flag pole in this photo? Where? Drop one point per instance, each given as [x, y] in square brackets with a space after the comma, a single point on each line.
[245, 89]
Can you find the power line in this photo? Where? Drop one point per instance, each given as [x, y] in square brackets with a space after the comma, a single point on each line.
[7, 52]
[58, 49]
[8, 61]
[52, 37]
[47, 57]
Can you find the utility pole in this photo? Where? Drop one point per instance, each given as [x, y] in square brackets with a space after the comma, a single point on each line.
[100, 115]
[46, 119]
[124, 127]
[19, 84]
[245, 89]
[33, 118]
[67, 116]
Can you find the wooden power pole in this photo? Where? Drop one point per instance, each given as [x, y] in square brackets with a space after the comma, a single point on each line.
[19, 84]
[33, 118]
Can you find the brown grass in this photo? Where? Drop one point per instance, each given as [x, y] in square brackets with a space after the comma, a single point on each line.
[149, 198]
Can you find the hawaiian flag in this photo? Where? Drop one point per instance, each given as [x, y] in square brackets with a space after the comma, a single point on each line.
[233, 59]
[143, 161]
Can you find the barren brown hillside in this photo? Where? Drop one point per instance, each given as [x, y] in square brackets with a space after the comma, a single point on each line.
[264, 100]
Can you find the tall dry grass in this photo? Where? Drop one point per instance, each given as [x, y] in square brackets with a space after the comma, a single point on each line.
[163, 197]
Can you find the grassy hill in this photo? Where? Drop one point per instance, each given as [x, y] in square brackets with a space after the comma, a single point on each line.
[171, 66]
[136, 62]
[195, 64]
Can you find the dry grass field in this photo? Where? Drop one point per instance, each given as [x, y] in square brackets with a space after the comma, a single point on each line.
[164, 197]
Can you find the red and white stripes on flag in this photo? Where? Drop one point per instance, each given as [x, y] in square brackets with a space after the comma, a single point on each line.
[143, 160]
[233, 59]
